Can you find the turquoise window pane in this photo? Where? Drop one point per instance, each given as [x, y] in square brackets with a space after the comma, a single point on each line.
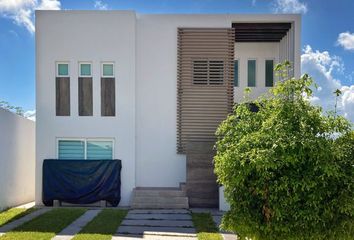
[63, 69]
[107, 70]
[269, 73]
[251, 78]
[99, 150]
[236, 73]
[85, 69]
[71, 149]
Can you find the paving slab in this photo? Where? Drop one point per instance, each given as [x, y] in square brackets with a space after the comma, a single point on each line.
[14, 224]
[229, 236]
[159, 216]
[76, 226]
[152, 237]
[159, 211]
[160, 231]
[158, 223]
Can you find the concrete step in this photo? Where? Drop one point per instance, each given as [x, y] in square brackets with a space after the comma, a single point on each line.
[159, 193]
[159, 206]
[158, 216]
[159, 198]
[157, 223]
[160, 231]
[159, 211]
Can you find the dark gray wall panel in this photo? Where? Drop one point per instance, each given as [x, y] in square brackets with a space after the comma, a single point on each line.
[85, 96]
[62, 91]
[108, 97]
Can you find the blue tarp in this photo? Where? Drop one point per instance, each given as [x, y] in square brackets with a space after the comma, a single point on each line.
[81, 181]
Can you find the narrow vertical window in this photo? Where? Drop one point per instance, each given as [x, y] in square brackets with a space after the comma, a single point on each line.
[108, 98]
[85, 69]
[269, 73]
[251, 76]
[85, 90]
[62, 89]
[63, 70]
[236, 73]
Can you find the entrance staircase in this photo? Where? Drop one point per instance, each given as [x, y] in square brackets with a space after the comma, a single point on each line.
[159, 198]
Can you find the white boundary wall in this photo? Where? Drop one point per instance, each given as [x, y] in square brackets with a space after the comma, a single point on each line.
[17, 159]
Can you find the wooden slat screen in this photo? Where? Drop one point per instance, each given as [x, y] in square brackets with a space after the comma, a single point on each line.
[62, 91]
[205, 82]
[85, 96]
[108, 97]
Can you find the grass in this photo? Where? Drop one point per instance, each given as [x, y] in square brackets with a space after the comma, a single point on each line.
[46, 226]
[103, 226]
[205, 227]
[13, 214]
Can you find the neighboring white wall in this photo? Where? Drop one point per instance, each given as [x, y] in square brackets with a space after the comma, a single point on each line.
[86, 36]
[157, 163]
[17, 159]
[259, 52]
[223, 204]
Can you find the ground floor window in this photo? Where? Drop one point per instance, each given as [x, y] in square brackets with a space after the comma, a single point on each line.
[91, 149]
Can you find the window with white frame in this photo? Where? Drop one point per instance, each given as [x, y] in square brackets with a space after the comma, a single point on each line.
[107, 70]
[62, 69]
[251, 72]
[91, 149]
[85, 69]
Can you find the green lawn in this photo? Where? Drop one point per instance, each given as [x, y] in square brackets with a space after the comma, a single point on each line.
[46, 226]
[13, 214]
[103, 226]
[205, 227]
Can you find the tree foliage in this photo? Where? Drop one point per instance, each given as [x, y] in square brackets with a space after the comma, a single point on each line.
[287, 169]
[7, 106]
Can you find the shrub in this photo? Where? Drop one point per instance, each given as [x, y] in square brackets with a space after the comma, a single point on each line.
[287, 169]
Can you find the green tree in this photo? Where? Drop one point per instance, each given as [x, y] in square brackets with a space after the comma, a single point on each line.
[288, 168]
[7, 106]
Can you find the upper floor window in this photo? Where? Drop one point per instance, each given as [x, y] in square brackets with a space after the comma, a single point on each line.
[208, 72]
[85, 69]
[236, 73]
[62, 69]
[107, 70]
[251, 73]
[269, 73]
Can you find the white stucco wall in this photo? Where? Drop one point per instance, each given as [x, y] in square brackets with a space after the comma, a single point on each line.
[144, 49]
[17, 159]
[259, 52]
[157, 163]
[94, 36]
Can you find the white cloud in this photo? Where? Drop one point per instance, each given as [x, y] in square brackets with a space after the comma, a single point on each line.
[346, 40]
[22, 11]
[321, 66]
[31, 115]
[49, 5]
[289, 6]
[100, 5]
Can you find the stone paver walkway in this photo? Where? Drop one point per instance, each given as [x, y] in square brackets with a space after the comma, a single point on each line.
[14, 224]
[157, 224]
[75, 227]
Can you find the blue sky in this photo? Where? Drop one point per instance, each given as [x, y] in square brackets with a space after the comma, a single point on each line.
[327, 38]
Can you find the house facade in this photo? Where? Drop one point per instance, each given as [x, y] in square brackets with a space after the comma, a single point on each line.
[140, 87]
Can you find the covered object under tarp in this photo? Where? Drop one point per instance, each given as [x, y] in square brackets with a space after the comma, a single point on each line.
[81, 181]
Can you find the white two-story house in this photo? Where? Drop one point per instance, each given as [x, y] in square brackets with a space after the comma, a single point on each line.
[150, 90]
